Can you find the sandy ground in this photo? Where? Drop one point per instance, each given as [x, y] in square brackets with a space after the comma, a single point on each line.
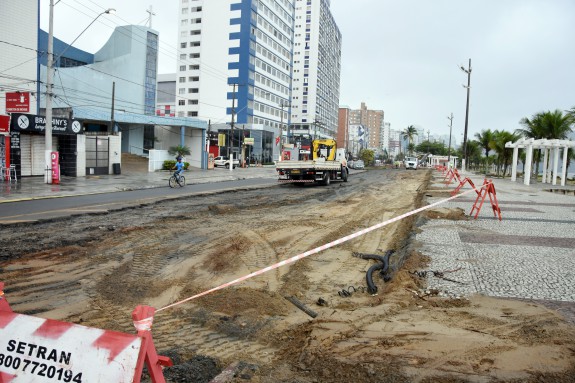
[95, 269]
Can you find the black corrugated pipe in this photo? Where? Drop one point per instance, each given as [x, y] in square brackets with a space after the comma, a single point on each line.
[383, 265]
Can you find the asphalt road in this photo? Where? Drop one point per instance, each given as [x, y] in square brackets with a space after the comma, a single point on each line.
[50, 208]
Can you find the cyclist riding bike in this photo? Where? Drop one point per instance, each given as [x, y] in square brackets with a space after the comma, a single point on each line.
[179, 167]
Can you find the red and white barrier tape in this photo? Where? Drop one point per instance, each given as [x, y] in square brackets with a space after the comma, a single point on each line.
[318, 249]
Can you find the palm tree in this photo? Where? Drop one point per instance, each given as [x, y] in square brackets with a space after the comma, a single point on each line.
[484, 139]
[179, 151]
[409, 133]
[500, 138]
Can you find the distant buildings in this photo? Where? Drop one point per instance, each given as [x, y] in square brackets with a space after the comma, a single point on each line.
[258, 69]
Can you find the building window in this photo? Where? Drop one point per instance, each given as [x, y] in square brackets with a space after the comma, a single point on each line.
[192, 114]
[182, 91]
[183, 45]
[182, 67]
[182, 79]
[194, 67]
[181, 102]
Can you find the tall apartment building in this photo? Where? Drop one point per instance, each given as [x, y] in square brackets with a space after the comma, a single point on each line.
[342, 137]
[373, 121]
[316, 70]
[235, 66]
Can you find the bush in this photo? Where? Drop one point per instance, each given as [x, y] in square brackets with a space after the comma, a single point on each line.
[170, 164]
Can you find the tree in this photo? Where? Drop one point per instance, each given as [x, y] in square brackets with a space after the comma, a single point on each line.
[411, 147]
[409, 133]
[367, 156]
[484, 139]
[500, 138]
[179, 150]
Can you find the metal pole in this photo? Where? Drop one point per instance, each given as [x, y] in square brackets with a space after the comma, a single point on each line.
[468, 71]
[49, 77]
[449, 150]
[231, 156]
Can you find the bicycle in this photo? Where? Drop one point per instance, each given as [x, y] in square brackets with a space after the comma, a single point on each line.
[177, 179]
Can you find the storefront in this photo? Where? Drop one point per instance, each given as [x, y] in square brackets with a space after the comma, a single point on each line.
[27, 144]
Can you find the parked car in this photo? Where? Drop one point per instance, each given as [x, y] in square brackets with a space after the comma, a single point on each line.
[411, 163]
[225, 162]
[358, 164]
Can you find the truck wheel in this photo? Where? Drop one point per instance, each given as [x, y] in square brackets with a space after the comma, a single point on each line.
[344, 174]
[326, 179]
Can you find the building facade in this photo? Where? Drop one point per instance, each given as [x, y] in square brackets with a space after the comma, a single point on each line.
[103, 103]
[235, 68]
[342, 137]
[264, 69]
[317, 67]
[18, 53]
[373, 120]
[166, 95]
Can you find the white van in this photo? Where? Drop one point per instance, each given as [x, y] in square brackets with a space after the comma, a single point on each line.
[411, 163]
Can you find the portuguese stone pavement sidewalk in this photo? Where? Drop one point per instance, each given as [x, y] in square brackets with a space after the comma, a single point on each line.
[529, 254]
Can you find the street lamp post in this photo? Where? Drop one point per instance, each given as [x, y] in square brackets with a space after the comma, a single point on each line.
[450, 118]
[49, 80]
[468, 71]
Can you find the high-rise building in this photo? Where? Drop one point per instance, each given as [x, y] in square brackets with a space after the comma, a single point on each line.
[342, 137]
[316, 70]
[235, 68]
[373, 121]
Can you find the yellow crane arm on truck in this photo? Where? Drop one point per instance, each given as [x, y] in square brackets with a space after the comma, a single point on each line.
[324, 149]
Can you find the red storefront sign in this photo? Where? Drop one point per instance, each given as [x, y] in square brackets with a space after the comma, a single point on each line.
[55, 168]
[4, 124]
[18, 102]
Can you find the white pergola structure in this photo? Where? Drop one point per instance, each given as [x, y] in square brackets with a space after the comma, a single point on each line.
[433, 161]
[550, 159]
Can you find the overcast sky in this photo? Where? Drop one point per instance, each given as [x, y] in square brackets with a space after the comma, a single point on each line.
[403, 56]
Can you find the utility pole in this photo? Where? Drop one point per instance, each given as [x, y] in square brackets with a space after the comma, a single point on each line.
[231, 154]
[450, 118]
[468, 71]
[49, 76]
[427, 141]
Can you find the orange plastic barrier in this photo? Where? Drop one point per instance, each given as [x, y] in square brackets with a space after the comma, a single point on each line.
[452, 174]
[86, 353]
[487, 189]
[461, 183]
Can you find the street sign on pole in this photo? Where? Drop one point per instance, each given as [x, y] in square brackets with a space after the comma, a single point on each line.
[17, 102]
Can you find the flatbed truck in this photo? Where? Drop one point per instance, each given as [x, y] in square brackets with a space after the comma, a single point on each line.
[327, 163]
